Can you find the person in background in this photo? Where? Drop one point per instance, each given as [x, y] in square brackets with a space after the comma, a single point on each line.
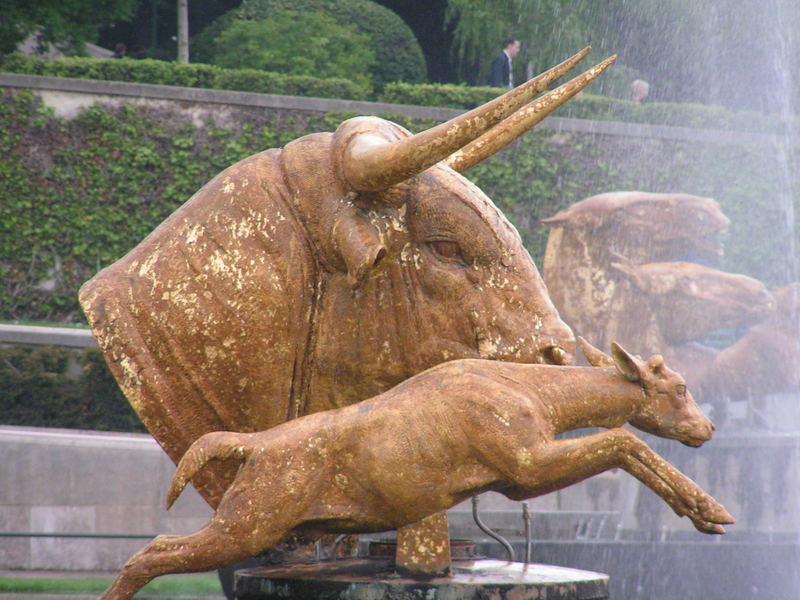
[639, 90]
[502, 74]
[119, 51]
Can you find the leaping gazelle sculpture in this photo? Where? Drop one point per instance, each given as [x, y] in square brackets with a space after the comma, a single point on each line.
[440, 437]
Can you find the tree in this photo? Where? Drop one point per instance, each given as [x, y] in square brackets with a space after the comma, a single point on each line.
[183, 31]
[738, 53]
[67, 24]
[308, 43]
[398, 56]
[550, 30]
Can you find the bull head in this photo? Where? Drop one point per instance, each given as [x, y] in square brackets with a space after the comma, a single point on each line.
[323, 273]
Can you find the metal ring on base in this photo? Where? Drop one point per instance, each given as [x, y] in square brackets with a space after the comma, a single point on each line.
[375, 579]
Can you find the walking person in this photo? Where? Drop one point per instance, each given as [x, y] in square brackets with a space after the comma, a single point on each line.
[502, 74]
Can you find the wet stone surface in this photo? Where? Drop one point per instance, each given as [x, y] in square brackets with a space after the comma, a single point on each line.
[375, 579]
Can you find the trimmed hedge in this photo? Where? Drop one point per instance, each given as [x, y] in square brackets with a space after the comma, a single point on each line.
[186, 75]
[446, 95]
[588, 106]
[200, 75]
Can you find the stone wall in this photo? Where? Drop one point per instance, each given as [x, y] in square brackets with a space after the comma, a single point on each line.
[83, 482]
[69, 96]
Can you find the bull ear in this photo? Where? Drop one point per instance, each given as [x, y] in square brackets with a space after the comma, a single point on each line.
[358, 243]
[627, 365]
[595, 356]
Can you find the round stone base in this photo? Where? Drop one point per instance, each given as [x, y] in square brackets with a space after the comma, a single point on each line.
[375, 579]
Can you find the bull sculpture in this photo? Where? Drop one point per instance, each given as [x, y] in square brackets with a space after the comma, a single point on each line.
[431, 442]
[320, 274]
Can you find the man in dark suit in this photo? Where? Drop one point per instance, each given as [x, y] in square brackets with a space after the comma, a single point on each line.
[502, 73]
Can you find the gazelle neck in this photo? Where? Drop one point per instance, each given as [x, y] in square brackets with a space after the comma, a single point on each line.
[599, 397]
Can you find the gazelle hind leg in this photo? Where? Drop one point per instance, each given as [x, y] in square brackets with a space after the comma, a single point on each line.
[210, 548]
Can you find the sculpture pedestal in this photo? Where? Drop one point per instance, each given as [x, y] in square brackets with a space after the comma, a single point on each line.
[375, 579]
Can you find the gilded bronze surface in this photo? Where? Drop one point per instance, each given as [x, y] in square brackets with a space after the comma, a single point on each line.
[446, 434]
[320, 274]
[317, 275]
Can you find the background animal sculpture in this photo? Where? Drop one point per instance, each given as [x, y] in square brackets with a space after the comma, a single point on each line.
[671, 305]
[630, 227]
[613, 268]
[436, 439]
[764, 360]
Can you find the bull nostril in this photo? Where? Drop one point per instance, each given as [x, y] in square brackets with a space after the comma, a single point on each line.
[713, 427]
[556, 355]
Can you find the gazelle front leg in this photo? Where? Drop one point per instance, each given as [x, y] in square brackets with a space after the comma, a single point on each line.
[705, 512]
[561, 463]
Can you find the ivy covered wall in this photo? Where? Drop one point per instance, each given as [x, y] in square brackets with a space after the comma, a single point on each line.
[77, 194]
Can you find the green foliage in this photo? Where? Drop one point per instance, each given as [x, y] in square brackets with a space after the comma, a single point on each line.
[327, 50]
[166, 586]
[37, 389]
[186, 75]
[67, 24]
[77, 194]
[439, 94]
[398, 56]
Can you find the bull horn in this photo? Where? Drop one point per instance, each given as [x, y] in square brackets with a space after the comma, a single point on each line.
[521, 121]
[595, 356]
[372, 164]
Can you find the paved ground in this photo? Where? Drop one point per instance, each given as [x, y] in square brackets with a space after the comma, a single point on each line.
[34, 596]
[78, 575]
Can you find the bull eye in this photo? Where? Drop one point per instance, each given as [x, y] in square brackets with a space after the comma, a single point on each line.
[446, 250]
[680, 389]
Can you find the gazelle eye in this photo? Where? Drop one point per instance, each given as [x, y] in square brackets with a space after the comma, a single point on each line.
[446, 250]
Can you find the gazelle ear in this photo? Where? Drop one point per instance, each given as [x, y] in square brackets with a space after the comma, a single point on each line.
[625, 363]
